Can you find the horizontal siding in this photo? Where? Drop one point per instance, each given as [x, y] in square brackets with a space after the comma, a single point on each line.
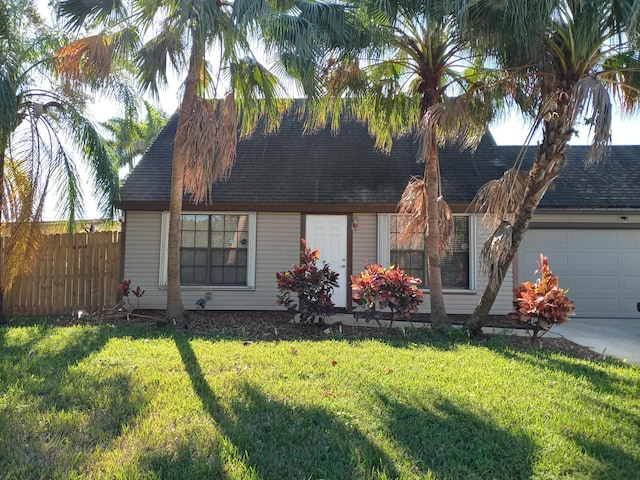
[365, 242]
[142, 257]
[277, 249]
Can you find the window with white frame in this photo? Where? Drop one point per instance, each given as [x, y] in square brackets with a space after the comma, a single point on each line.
[216, 249]
[410, 255]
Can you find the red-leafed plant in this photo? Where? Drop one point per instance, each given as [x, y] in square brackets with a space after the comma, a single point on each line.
[313, 287]
[542, 304]
[124, 287]
[380, 288]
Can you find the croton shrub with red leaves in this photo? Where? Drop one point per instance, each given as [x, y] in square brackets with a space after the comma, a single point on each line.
[310, 285]
[380, 288]
[124, 287]
[542, 304]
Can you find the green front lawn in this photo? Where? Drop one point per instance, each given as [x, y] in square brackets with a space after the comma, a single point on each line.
[127, 403]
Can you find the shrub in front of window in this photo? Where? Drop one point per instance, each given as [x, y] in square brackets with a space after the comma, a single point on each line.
[542, 304]
[313, 287]
[380, 288]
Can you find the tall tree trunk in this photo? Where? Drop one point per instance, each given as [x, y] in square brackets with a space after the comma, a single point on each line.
[439, 318]
[3, 318]
[175, 307]
[550, 157]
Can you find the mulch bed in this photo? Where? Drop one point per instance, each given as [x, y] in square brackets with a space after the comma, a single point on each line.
[278, 325]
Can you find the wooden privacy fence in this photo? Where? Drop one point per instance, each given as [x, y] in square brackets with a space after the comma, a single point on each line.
[75, 271]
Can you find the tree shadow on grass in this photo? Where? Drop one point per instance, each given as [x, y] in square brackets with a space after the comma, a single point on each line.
[284, 441]
[607, 462]
[55, 411]
[445, 440]
[595, 372]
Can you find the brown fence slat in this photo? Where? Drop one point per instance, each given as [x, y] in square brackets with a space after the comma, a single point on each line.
[72, 272]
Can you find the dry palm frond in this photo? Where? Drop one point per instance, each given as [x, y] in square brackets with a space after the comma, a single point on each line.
[413, 206]
[590, 94]
[494, 252]
[210, 145]
[87, 59]
[22, 233]
[499, 198]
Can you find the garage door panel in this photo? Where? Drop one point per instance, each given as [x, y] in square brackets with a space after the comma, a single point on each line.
[629, 240]
[531, 259]
[594, 240]
[601, 268]
[605, 306]
[595, 283]
[629, 283]
[588, 261]
[630, 262]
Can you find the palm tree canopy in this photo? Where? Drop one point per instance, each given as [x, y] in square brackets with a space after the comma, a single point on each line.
[585, 48]
[253, 48]
[414, 60]
[45, 136]
[40, 117]
[130, 139]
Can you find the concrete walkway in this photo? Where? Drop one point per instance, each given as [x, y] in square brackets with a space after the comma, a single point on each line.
[615, 337]
[611, 337]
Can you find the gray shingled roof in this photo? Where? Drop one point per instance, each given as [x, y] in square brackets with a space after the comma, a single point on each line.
[321, 170]
[614, 183]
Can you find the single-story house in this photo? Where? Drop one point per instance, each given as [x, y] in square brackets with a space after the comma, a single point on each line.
[341, 195]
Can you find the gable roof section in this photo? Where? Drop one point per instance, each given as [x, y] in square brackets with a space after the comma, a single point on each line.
[290, 169]
[614, 183]
[322, 172]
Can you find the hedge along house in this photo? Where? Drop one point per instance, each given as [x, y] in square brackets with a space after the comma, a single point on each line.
[341, 195]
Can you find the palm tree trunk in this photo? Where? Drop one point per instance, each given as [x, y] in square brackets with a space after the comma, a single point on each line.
[549, 158]
[439, 318]
[175, 307]
[3, 318]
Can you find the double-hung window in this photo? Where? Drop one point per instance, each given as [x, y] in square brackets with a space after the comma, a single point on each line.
[216, 249]
[411, 255]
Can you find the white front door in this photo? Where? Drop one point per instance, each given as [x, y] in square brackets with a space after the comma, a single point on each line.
[328, 233]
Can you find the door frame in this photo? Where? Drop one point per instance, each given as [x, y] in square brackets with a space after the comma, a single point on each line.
[349, 237]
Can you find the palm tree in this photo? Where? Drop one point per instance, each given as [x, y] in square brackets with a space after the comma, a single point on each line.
[419, 75]
[574, 56]
[40, 118]
[130, 139]
[213, 42]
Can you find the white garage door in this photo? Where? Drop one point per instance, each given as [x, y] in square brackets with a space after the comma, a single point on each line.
[601, 268]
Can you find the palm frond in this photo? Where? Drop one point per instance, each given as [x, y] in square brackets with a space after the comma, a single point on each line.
[413, 208]
[83, 13]
[459, 120]
[153, 58]
[210, 146]
[22, 210]
[68, 190]
[590, 95]
[257, 92]
[102, 167]
[499, 198]
[87, 60]
[495, 251]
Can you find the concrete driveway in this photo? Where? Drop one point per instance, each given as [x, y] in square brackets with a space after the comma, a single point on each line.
[615, 337]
